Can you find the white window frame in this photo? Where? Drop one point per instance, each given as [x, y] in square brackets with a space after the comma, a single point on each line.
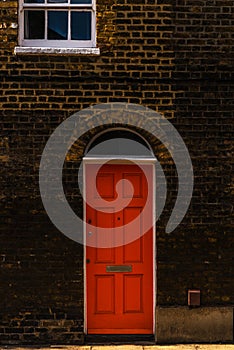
[57, 44]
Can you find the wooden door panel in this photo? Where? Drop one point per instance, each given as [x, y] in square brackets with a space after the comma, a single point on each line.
[136, 181]
[133, 252]
[104, 255]
[104, 220]
[105, 185]
[105, 294]
[133, 294]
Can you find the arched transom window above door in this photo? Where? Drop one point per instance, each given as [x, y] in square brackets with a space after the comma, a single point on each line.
[119, 143]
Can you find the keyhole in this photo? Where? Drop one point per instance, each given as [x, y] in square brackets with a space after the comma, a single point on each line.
[118, 218]
[89, 221]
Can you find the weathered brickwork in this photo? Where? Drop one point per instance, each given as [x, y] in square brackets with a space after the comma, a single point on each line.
[175, 57]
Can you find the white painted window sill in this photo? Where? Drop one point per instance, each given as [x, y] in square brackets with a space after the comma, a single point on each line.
[24, 50]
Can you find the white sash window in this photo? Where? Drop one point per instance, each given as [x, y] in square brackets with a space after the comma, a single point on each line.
[58, 23]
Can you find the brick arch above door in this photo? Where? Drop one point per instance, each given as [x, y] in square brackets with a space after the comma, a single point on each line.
[136, 120]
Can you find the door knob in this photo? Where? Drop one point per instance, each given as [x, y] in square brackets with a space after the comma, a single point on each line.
[87, 261]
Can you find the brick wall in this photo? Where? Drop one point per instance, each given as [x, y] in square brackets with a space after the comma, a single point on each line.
[173, 57]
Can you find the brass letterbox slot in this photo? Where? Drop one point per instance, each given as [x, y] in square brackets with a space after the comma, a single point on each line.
[119, 268]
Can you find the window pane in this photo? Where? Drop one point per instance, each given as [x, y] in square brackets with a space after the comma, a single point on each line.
[34, 24]
[81, 1]
[56, 1]
[80, 25]
[34, 1]
[57, 25]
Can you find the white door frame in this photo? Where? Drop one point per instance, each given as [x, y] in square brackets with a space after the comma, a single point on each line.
[120, 160]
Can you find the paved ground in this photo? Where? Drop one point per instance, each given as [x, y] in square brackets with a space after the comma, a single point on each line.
[131, 347]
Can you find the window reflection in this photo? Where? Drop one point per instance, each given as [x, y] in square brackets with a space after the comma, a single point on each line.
[80, 25]
[81, 1]
[57, 25]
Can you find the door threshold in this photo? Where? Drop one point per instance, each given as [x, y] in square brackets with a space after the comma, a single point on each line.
[115, 339]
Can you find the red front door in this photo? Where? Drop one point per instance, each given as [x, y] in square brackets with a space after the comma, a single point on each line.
[119, 279]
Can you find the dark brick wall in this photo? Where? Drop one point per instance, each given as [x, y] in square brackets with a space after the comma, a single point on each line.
[203, 78]
[174, 57]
